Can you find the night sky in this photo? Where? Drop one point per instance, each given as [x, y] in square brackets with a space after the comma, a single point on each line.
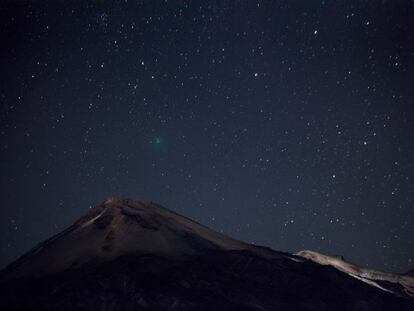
[282, 123]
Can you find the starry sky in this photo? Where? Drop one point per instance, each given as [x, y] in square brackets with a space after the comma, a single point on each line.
[282, 123]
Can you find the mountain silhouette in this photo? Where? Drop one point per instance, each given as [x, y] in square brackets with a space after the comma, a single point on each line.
[132, 255]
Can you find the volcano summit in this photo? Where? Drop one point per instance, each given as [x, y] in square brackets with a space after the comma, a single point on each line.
[131, 255]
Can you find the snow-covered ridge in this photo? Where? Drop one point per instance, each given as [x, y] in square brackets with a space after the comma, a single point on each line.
[390, 282]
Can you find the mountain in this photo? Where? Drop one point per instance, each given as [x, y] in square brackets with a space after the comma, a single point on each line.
[131, 255]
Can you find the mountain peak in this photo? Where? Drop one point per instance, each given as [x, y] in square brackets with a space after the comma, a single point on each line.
[119, 227]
